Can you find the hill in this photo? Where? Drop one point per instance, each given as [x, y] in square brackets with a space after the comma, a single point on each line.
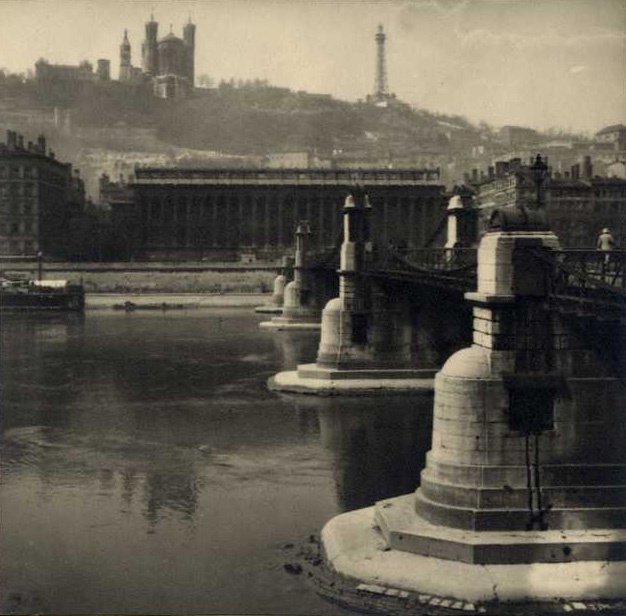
[245, 117]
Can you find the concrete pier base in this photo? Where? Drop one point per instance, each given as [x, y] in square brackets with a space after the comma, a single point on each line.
[356, 552]
[315, 379]
[275, 305]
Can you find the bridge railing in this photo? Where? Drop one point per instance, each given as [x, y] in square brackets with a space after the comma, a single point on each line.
[428, 259]
[587, 283]
[582, 267]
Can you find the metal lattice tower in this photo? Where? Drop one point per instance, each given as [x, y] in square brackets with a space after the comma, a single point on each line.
[380, 87]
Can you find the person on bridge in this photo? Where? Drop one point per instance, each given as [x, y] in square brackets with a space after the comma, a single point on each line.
[606, 243]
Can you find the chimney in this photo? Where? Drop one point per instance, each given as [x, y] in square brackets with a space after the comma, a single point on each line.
[575, 171]
[482, 176]
[587, 168]
[500, 168]
[566, 175]
[30, 146]
[41, 144]
[11, 140]
[557, 175]
[490, 172]
[20, 142]
[466, 179]
[51, 154]
[474, 175]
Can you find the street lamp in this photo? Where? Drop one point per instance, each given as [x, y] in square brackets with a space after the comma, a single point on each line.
[540, 171]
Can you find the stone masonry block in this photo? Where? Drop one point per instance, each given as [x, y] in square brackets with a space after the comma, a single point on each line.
[483, 313]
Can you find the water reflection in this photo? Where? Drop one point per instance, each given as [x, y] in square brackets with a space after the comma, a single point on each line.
[296, 348]
[145, 439]
[377, 445]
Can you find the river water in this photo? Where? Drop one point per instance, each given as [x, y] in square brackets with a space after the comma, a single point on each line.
[146, 468]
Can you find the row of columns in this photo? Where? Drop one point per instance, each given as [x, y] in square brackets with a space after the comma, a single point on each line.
[259, 221]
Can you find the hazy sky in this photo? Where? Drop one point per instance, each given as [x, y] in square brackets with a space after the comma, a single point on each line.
[539, 63]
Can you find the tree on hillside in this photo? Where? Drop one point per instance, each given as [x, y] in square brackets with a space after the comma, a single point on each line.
[204, 81]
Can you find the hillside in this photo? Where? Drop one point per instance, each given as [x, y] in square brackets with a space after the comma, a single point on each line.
[246, 117]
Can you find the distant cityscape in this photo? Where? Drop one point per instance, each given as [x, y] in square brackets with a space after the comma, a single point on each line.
[155, 116]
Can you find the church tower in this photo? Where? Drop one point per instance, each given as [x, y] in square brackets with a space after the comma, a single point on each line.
[125, 65]
[189, 38]
[149, 49]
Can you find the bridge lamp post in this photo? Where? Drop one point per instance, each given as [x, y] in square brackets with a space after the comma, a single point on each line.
[540, 171]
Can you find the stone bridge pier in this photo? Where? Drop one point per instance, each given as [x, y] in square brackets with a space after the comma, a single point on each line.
[303, 297]
[275, 305]
[521, 507]
[366, 336]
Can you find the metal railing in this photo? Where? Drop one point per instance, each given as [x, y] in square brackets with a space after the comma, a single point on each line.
[593, 267]
[435, 259]
[589, 283]
[453, 268]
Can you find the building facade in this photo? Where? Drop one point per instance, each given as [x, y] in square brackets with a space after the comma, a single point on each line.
[38, 196]
[206, 213]
[69, 73]
[578, 203]
[615, 134]
[515, 136]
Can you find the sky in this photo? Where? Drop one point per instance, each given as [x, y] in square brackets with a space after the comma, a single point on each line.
[539, 63]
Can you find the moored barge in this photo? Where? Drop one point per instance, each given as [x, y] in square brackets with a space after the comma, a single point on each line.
[26, 295]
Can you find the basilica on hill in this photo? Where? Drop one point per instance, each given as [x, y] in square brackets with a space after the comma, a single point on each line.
[167, 62]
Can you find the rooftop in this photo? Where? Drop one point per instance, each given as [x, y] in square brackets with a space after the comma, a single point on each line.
[301, 177]
[611, 129]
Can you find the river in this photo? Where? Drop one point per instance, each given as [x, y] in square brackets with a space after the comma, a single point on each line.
[145, 468]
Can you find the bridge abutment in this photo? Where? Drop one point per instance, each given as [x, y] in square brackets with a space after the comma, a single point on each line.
[522, 503]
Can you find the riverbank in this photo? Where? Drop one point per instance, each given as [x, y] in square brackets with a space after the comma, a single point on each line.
[173, 301]
[179, 278]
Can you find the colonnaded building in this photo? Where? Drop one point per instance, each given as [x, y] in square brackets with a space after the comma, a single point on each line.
[217, 213]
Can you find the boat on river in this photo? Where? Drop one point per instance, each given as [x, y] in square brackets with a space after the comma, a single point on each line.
[26, 295]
